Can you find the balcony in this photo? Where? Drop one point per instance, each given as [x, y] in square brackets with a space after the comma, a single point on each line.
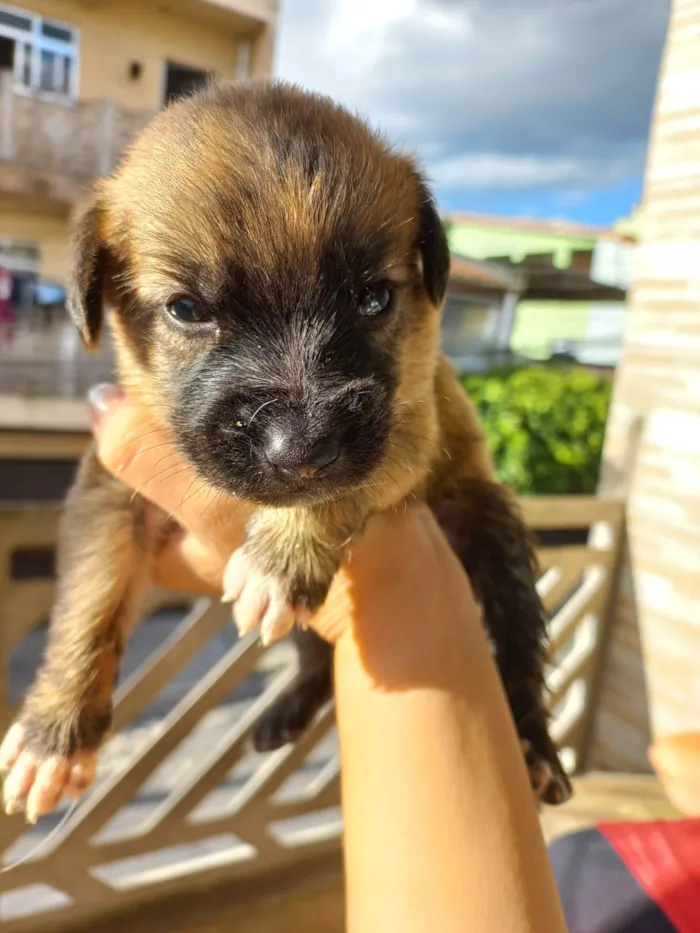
[45, 372]
[53, 150]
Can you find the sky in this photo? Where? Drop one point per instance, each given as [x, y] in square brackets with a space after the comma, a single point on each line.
[518, 107]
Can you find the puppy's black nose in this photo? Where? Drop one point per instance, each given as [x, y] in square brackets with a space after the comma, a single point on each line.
[293, 456]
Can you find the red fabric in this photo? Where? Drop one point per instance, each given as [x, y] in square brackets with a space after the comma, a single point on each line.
[664, 857]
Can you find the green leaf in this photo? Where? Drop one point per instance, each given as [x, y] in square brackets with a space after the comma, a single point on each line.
[545, 425]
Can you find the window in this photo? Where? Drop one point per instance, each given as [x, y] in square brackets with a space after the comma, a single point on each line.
[19, 256]
[46, 52]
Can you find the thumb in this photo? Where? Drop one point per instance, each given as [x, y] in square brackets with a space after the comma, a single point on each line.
[102, 398]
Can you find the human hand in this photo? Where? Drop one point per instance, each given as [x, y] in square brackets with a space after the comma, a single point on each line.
[384, 573]
[134, 447]
[676, 760]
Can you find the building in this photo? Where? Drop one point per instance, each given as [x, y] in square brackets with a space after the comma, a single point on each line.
[78, 79]
[573, 283]
[479, 311]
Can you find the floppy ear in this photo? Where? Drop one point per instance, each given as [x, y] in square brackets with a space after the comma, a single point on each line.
[85, 304]
[435, 252]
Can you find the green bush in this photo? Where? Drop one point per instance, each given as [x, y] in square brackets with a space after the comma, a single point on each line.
[545, 426]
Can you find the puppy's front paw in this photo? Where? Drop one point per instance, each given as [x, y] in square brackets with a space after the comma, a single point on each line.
[36, 782]
[260, 599]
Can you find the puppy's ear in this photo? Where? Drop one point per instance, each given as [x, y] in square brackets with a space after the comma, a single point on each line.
[85, 299]
[434, 250]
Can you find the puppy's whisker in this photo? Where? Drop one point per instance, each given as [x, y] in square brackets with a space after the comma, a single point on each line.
[186, 493]
[260, 408]
[173, 470]
[146, 450]
[140, 437]
[399, 463]
[393, 480]
[350, 492]
[173, 453]
[138, 491]
[214, 501]
[194, 495]
[421, 437]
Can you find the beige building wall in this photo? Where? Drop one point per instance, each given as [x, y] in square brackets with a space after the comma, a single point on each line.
[112, 35]
[36, 222]
[651, 677]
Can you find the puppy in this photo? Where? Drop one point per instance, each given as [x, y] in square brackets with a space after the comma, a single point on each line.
[275, 273]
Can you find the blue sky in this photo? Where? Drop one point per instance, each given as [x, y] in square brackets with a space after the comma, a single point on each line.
[527, 107]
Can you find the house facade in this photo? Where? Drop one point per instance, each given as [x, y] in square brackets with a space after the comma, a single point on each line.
[478, 313]
[78, 80]
[575, 278]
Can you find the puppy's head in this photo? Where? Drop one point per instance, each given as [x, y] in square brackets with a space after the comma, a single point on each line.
[275, 272]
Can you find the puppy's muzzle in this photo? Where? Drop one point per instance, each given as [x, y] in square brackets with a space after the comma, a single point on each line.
[295, 457]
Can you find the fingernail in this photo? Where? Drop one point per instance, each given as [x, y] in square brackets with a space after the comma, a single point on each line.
[100, 399]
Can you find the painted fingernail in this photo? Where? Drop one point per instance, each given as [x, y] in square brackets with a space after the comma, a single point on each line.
[101, 398]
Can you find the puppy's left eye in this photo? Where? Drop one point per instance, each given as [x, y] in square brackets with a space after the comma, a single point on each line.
[187, 311]
[376, 300]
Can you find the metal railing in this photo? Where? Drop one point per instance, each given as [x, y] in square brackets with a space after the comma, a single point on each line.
[78, 139]
[48, 360]
[181, 802]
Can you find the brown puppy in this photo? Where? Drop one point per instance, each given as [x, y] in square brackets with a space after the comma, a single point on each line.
[275, 272]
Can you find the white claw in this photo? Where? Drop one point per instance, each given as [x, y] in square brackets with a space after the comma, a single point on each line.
[260, 600]
[36, 784]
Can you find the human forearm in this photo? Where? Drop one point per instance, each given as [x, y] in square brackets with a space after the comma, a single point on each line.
[441, 829]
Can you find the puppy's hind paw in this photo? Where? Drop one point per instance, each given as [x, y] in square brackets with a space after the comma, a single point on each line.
[549, 784]
[34, 783]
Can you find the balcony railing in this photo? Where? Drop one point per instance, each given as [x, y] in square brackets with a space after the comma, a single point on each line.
[181, 802]
[47, 359]
[78, 140]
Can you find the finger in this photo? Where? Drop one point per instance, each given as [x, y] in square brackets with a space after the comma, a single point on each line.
[140, 452]
[187, 564]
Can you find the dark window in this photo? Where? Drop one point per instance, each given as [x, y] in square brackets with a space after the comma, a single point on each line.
[181, 81]
[15, 21]
[51, 31]
[36, 480]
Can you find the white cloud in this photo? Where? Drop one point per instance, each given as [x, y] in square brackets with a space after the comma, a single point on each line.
[497, 171]
[501, 93]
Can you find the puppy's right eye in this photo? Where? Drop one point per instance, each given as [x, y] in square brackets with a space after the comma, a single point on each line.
[187, 311]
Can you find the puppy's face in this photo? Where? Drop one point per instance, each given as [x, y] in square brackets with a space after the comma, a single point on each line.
[274, 270]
